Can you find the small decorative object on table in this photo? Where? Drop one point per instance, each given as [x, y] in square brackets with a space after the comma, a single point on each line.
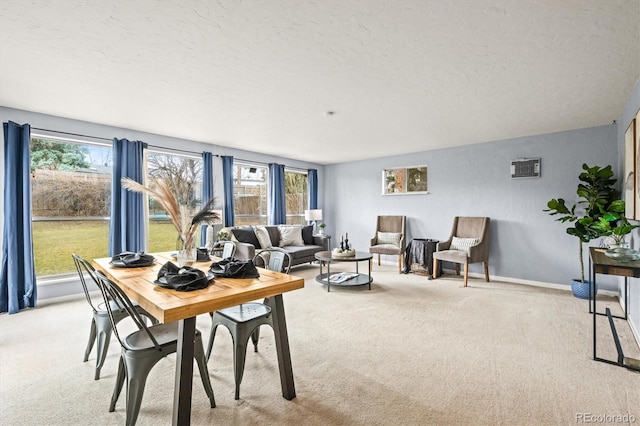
[344, 250]
[622, 254]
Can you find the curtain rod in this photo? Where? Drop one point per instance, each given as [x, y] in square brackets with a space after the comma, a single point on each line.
[267, 164]
[71, 134]
[111, 140]
[177, 149]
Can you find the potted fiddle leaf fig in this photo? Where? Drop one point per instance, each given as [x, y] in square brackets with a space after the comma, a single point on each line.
[598, 213]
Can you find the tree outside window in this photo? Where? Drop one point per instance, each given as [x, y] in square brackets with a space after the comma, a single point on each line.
[184, 175]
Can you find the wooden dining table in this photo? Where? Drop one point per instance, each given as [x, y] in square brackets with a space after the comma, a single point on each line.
[168, 305]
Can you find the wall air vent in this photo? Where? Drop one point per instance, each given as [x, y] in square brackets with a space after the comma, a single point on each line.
[525, 168]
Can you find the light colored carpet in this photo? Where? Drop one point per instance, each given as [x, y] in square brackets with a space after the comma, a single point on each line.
[409, 352]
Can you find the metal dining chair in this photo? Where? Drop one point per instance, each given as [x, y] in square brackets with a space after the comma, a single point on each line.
[228, 249]
[100, 322]
[142, 349]
[274, 259]
[244, 321]
[224, 249]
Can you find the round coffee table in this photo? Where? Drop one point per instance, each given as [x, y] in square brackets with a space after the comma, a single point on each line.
[344, 279]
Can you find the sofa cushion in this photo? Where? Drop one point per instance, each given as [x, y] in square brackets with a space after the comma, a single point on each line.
[274, 234]
[263, 237]
[299, 252]
[290, 235]
[307, 234]
[246, 235]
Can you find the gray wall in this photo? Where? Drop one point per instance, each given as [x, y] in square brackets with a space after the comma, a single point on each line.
[526, 243]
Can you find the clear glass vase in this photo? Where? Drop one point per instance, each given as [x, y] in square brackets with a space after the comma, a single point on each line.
[186, 252]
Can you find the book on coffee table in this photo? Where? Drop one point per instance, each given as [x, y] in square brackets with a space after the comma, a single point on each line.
[341, 277]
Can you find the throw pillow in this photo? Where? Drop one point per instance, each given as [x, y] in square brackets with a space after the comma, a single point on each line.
[290, 235]
[307, 235]
[263, 237]
[463, 244]
[246, 235]
[389, 238]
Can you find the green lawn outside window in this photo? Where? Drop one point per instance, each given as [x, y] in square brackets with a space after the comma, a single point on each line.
[55, 241]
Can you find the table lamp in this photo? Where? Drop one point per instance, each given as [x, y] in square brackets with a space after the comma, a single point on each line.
[313, 215]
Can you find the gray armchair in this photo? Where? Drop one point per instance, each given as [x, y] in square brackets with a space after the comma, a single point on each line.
[468, 243]
[390, 238]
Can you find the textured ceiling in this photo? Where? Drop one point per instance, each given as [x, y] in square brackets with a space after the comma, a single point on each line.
[401, 76]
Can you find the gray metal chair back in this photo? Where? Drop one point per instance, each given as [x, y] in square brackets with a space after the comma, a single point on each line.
[100, 323]
[228, 249]
[274, 259]
[142, 349]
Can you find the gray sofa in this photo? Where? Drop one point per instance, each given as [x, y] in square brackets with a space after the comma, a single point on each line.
[247, 244]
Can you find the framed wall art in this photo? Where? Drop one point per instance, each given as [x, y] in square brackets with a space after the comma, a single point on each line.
[404, 180]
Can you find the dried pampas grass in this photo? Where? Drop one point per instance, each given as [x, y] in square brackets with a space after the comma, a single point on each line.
[185, 224]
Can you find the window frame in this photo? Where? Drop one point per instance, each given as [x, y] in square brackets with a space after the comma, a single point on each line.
[84, 141]
[301, 214]
[172, 153]
[245, 163]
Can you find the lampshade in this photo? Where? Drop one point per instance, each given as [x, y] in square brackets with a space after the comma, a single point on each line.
[315, 214]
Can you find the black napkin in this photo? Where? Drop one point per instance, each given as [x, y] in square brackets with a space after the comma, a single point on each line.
[129, 259]
[233, 268]
[181, 279]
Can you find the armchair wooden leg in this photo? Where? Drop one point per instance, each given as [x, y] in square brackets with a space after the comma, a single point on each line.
[400, 261]
[486, 271]
[378, 259]
[457, 269]
[435, 268]
[466, 273]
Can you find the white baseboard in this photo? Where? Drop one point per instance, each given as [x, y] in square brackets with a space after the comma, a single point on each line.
[564, 287]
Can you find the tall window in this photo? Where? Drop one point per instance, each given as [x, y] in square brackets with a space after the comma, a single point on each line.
[250, 194]
[184, 174]
[71, 201]
[71, 198]
[297, 196]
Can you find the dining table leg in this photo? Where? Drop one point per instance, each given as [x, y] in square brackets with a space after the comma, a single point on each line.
[184, 372]
[282, 346]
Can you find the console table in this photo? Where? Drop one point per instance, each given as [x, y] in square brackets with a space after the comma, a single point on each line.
[601, 264]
